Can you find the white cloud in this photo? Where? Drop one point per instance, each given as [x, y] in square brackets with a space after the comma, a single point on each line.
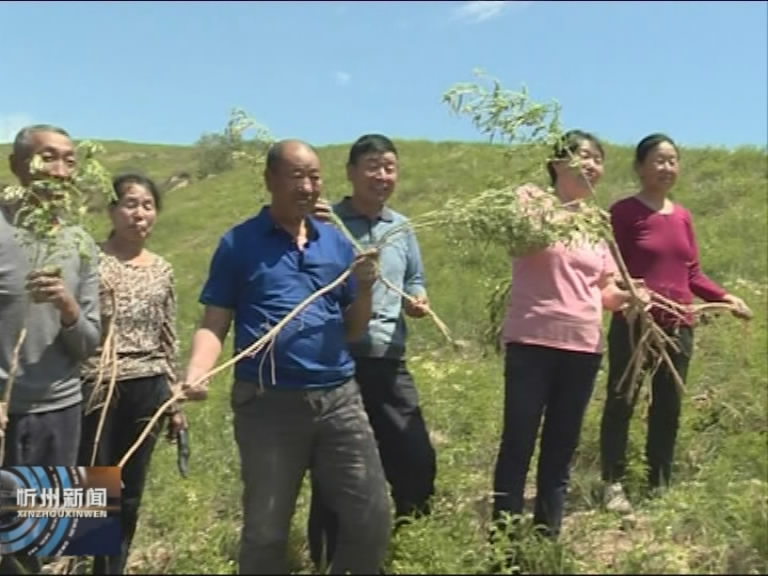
[10, 124]
[342, 78]
[481, 10]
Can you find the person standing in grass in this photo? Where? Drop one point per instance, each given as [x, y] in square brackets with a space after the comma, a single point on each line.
[138, 310]
[297, 406]
[63, 325]
[553, 338]
[657, 242]
[389, 392]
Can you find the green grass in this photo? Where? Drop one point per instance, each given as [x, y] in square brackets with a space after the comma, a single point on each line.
[714, 519]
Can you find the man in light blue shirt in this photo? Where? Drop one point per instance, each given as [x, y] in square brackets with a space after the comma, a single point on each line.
[389, 393]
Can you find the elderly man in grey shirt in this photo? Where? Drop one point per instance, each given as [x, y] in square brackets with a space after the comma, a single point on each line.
[63, 323]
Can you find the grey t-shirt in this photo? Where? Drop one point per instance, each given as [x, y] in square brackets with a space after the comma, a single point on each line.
[48, 377]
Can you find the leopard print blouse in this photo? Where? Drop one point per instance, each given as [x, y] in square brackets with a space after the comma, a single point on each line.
[141, 302]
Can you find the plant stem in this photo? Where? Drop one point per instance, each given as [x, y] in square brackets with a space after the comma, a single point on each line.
[250, 350]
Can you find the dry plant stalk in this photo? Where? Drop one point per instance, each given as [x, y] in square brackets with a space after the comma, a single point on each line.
[516, 119]
[108, 358]
[251, 350]
[441, 326]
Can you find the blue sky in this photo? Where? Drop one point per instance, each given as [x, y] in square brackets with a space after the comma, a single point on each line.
[327, 72]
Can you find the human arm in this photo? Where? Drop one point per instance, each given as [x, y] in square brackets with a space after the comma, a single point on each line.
[219, 296]
[170, 346]
[206, 347]
[702, 286]
[414, 284]
[357, 293]
[614, 295]
[80, 313]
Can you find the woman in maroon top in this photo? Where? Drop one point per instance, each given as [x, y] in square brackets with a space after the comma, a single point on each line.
[657, 241]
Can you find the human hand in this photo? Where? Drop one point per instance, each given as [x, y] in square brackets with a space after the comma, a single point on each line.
[195, 391]
[176, 423]
[740, 309]
[322, 210]
[366, 268]
[48, 286]
[417, 307]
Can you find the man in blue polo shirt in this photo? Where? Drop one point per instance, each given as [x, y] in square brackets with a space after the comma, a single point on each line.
[390, 395]
[296, 407]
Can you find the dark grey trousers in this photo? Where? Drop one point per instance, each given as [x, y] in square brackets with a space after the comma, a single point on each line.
[40, 439]
[281, 434]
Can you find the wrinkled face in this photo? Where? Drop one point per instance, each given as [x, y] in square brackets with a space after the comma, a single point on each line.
[586, 173]
[659, 170]
[374, 177]
[133, 217]
[295, 183]
[56, 152]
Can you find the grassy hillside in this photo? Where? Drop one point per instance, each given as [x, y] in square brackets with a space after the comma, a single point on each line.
[714, 520]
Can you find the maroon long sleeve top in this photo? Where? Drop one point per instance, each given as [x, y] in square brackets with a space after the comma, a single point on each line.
[662, 250]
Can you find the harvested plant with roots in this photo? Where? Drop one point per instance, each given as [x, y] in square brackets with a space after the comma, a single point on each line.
[519, 225]
[502, 217]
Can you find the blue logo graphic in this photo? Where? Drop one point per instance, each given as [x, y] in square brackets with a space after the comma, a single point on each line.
[46, 510]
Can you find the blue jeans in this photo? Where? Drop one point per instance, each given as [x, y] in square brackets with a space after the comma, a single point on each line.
[281, 434]
[558, 385]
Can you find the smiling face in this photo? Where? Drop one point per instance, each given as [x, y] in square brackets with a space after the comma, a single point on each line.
[579, 173]
[659, 169]
[373, 177]
[134, 214]
[294, 181]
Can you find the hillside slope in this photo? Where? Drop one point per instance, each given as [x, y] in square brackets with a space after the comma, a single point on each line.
[713, 520]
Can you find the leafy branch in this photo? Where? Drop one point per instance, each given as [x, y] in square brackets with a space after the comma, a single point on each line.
[517, 224]
[49, 215]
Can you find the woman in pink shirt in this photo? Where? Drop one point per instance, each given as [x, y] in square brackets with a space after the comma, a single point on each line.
[657, 241]
[554, 344]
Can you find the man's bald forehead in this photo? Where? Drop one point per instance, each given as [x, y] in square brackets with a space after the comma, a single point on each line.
[279, 150]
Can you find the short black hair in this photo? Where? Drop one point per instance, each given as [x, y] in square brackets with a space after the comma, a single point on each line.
[122, 180]
[376, 143]
[647, 144]
[568, 144]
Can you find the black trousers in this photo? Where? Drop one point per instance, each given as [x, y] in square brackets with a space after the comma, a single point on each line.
[663, 413]
[407, 455]
[558, 385]
[134, 402]
[40, 439]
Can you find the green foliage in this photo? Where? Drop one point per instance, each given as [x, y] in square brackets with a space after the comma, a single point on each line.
[219, 153]
[49, 209]
[514, 219]
[511, 117]
[713, 521]
[521, 221]
[194, 524]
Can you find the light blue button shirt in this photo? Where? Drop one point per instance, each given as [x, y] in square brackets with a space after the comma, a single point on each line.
[400, 263]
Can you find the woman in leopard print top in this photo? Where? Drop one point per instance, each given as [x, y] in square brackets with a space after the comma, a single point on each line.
[138, 306]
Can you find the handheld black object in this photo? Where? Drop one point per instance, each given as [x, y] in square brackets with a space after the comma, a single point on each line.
[182, 450]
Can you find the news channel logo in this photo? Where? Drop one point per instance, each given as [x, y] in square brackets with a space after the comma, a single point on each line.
[44, 509]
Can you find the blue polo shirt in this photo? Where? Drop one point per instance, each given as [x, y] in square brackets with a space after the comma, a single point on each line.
[259, 272]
